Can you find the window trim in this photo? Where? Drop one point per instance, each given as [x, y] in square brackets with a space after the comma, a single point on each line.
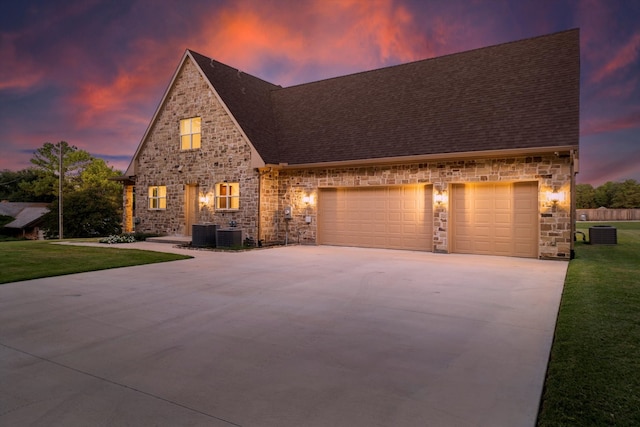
[157, 195]
[190, 134]
[231, 200]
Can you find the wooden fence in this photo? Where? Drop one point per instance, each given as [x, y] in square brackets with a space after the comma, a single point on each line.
[603, 214]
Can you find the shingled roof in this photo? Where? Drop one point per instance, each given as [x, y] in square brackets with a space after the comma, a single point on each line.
[24, 214]
[517, 95]
[248, 99]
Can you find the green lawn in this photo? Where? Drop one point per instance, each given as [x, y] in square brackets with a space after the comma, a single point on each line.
[594, 371]
[23, 260]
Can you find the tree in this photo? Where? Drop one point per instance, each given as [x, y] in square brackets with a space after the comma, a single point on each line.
[46, 160]
[85, 215]
[585, 196]
[603, 195]
[614, 195]
[98, 176]
[626, 195]
[11, 186]
[92, 199]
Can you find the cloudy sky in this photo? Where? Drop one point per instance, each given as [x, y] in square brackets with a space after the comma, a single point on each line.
[92, 72]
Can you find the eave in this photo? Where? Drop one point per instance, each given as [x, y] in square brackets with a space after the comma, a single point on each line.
[516, 152]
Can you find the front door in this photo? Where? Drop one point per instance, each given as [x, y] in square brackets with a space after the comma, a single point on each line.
[128, 209]
[190, 207]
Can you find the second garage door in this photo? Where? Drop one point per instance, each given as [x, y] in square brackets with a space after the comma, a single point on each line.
[495, 219]
[376, 217]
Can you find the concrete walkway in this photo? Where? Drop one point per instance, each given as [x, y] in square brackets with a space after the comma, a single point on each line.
[292, 336]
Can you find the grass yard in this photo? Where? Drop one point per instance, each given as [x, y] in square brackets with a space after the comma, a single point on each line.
[23, 260]
[594, 371]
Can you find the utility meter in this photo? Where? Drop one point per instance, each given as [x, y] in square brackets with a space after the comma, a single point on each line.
[288, 214]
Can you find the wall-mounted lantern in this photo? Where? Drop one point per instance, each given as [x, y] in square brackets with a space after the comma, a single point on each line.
[555, 197]
[308, 199]
[440, 197]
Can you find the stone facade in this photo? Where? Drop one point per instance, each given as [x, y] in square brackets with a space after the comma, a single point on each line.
[224, 156]
[549, 171]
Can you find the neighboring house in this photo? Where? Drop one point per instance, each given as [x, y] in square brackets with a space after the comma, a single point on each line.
[474, 152]
[27, 218]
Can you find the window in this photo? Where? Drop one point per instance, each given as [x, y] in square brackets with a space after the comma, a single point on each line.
[228, 196]
[158, 197]
[190, 133]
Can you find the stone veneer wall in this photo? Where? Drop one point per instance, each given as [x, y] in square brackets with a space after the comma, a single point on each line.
[270, 212]
[551, 172]
[224, 155]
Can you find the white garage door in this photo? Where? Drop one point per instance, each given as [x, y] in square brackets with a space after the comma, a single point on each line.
[376, 217]
[495, 219]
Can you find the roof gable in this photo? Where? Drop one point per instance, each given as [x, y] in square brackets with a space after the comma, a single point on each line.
[520, 95]
[244, 97]
[248, 98]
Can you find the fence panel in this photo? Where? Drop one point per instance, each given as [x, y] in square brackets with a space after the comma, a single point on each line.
[602, 214]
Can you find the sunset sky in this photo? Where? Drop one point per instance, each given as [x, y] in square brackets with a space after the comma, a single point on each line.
[92, 72]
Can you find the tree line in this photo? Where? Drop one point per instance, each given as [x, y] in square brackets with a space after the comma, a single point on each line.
[613, 195]
[92, 200]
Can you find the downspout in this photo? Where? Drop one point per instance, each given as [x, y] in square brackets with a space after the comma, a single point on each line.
[259, 222]
[575, 169]
[261, 173]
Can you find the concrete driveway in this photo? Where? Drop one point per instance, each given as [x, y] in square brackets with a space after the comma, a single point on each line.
[292, 336]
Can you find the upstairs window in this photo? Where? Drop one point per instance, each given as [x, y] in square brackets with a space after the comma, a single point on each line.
[190, 133]
[228, 196]
[158, 197]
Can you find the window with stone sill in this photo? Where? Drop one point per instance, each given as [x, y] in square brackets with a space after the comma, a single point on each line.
[227, 196]
[190, 133]
[158, 197]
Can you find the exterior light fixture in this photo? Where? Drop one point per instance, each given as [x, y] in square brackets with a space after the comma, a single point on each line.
[554, 197]
[204, 199]
[440, 197]
[308, 199]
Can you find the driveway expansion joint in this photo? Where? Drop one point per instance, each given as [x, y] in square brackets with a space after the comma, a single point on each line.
[154, 396]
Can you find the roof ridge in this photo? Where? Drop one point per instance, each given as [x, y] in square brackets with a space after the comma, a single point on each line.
[373, 70]
[211, 61]
[462, 52]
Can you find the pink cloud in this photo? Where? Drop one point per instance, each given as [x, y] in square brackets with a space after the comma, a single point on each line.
[595, 18]
[18, 72]
[625, 55]
[596, 126]
[618, 90]
[340, 34]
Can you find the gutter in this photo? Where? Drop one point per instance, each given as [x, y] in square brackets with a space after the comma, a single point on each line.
[558, 150]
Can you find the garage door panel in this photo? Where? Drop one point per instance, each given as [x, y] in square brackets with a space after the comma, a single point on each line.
[504, 220]
[396, 217]
[500, 217]
[483, 218]
[503, 232]
[503, 204]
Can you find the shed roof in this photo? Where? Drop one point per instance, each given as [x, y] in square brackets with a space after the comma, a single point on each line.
[27, 216]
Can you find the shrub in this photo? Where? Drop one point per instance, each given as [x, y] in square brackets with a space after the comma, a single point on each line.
[121, 238]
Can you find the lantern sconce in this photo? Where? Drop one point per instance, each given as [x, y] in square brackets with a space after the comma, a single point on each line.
[204, 200]
[440, 197]
[308, 199]
[555, 197]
